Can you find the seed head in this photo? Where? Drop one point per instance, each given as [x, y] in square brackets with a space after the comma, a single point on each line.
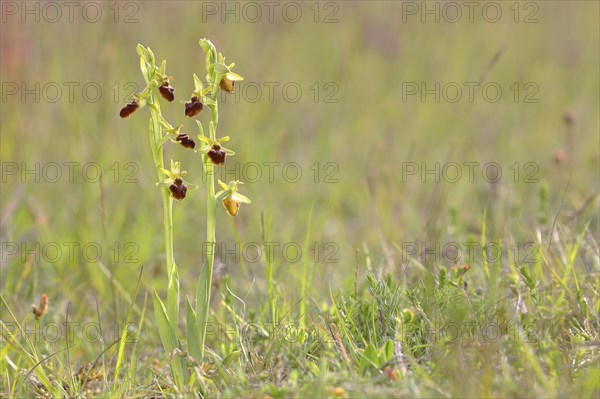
[569, 117]
[42, 309]
[561, 157]
[391, 374]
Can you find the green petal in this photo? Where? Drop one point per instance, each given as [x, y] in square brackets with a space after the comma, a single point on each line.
[200, 128]
[233, 76]
[190, 185]
[221, 195]
[151, 54]
[197, 84]
[206, 45]
[220, 68]
[145, 54]
[237, 197]
[223, 185]
[204, 150]
[144, 69]
[175, 167]
[162, 68]
[141, 50]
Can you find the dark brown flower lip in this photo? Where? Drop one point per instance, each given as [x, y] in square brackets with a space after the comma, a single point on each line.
[166, 91]
[194, 107]
[227, 85]
[178, 189]
[129, 109]
[185, 140]
[216, 155]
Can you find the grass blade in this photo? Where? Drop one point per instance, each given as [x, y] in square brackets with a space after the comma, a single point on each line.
[123, 340]
[173, 300]
[169, 340]
[202, 305]
[193, 341]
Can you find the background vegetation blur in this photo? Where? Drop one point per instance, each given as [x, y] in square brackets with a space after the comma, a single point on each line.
[328, 95]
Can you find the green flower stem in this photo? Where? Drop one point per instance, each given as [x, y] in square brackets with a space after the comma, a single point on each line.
[172, 304]
[211, 207]
[168, 226]
[157, 154]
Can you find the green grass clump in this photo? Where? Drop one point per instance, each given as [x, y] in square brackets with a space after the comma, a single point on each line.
[532, 332]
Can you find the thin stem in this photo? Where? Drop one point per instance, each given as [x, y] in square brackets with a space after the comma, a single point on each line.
[157, 154]
[171, 313]
[211, 206]
[268, 268]
[215, 110]
[168, 226]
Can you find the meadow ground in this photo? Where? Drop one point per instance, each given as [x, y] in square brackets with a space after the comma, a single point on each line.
[424, 180]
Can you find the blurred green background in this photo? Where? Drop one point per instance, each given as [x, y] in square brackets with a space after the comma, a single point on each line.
[353, 122]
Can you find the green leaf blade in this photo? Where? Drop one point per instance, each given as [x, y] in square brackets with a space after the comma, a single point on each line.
[193, 340]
